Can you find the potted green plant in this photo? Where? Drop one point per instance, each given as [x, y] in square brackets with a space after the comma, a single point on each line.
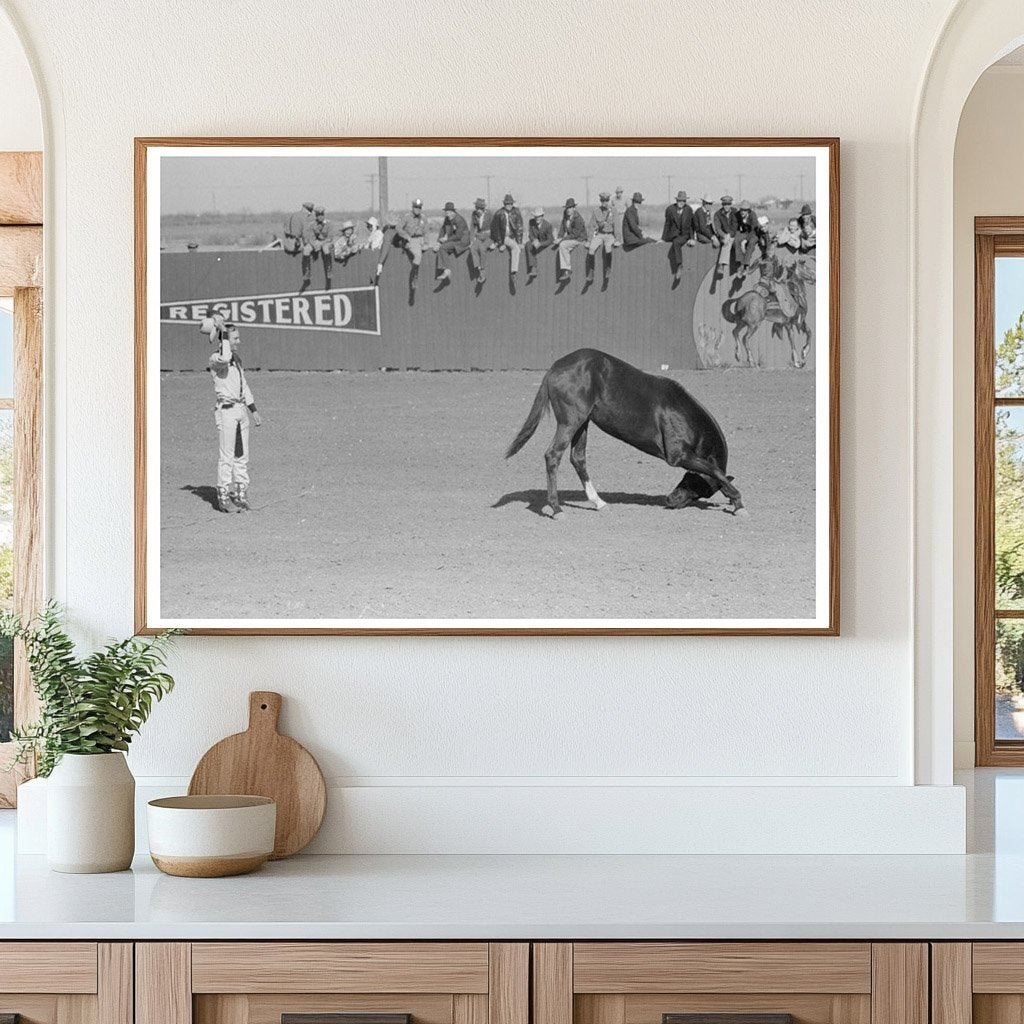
[90, 708]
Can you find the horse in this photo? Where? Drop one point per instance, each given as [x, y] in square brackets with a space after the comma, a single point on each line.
[779, 297]
[651, 413]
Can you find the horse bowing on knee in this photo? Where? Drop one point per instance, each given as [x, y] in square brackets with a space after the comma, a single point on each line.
[654, 414]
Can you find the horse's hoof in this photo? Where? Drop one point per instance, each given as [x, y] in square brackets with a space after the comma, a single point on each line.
[741, 512]
[551, 513]
[597, 506]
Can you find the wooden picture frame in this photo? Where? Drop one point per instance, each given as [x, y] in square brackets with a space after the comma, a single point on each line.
[165, 316]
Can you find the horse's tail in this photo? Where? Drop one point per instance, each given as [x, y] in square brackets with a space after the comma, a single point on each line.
[729, 311]
[526, 431]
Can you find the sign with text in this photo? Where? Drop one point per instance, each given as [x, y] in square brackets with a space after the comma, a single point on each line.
[355, 310]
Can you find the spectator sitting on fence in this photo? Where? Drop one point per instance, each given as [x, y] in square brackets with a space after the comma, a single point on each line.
[602, 235]
[703, 226]
[808, 229]
[743, 241]
[572, 232]
[345, 245]
[724, 223]
[541, 236]
[678, 231]
[452, 242]
[632, 234]
[480, 229]
[294, 229]
[376, 237]
[412, 233]
[507, 232]
[789, 237]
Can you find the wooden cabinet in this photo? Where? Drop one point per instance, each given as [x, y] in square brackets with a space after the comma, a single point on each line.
[978, 983]
[651, 982]
[66, 982]
[262, 982]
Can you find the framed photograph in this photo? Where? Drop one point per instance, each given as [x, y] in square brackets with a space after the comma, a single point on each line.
[495, 386]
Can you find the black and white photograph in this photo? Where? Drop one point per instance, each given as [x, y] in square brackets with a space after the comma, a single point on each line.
[479, 387]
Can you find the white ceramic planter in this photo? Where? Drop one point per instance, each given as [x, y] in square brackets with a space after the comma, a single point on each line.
[90, 814]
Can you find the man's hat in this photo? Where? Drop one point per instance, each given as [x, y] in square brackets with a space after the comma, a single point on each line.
[618, 189]
[763, 220]
[538, 211]
[726, 200]
[745, 205]
[508, 199]
[417, 202]
[372, 222]
[319, 209]
[479, 203]
[806, 211]
[707, 199]
[637, 198]
[307, 206]
[570, 202]
[347, 225]
[449, 206]
[680, 197]
[605, 196]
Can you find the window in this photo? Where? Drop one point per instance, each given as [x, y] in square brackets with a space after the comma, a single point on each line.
[999, 490]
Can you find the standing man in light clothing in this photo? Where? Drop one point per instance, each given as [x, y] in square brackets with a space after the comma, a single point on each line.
[233, 405]
[571, 232]
[619, 205]
[602, 235]
[413, 233]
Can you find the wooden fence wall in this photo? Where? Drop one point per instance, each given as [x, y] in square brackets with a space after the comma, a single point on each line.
[640, 317]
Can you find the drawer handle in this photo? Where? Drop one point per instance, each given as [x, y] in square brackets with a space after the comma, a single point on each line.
[727, 1018]
[339, 1018]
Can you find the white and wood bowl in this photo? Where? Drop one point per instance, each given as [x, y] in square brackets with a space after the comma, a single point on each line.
[211, 836]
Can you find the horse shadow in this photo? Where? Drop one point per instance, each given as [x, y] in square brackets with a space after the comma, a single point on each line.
[536, 500]
[203, 492]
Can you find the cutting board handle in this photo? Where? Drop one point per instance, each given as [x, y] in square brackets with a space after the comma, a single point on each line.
[264, 710]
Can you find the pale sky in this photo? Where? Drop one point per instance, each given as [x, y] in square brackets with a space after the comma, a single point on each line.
[224, 184]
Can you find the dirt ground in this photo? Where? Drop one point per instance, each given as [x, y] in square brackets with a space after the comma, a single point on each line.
[386, 495]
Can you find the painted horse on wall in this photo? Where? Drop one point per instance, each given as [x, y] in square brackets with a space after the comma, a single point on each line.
[780, 298]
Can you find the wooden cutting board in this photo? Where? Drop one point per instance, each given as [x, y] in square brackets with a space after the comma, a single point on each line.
[262, 762]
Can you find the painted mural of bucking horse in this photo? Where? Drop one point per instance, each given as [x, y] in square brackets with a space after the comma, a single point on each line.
[780, 298]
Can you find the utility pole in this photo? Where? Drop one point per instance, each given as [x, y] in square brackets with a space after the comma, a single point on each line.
[586, 182]
[372, 179]
[739, 187]
[487, 178]
[382, 191]
[668, 180]
[801, 188]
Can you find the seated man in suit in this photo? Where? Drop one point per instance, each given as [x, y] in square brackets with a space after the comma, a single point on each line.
[678, 231]
[632, 234]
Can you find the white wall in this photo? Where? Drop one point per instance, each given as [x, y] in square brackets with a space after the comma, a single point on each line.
[988, 180]
[446, 712]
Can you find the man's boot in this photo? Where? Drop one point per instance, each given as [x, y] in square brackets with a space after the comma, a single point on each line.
[224, 503]
[241, 498]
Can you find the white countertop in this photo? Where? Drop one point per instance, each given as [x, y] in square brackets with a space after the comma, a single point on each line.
[977, 896]
[496, 897]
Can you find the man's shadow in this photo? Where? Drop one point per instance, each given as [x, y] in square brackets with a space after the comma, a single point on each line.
[204, 493]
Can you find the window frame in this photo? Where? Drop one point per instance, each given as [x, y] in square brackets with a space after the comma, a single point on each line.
[993, 237]
[21, 272]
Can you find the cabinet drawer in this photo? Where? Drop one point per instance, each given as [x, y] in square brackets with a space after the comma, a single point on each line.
[635, 967]
[730, 983]
[340, 967]
[58, 967]
[332, 983]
